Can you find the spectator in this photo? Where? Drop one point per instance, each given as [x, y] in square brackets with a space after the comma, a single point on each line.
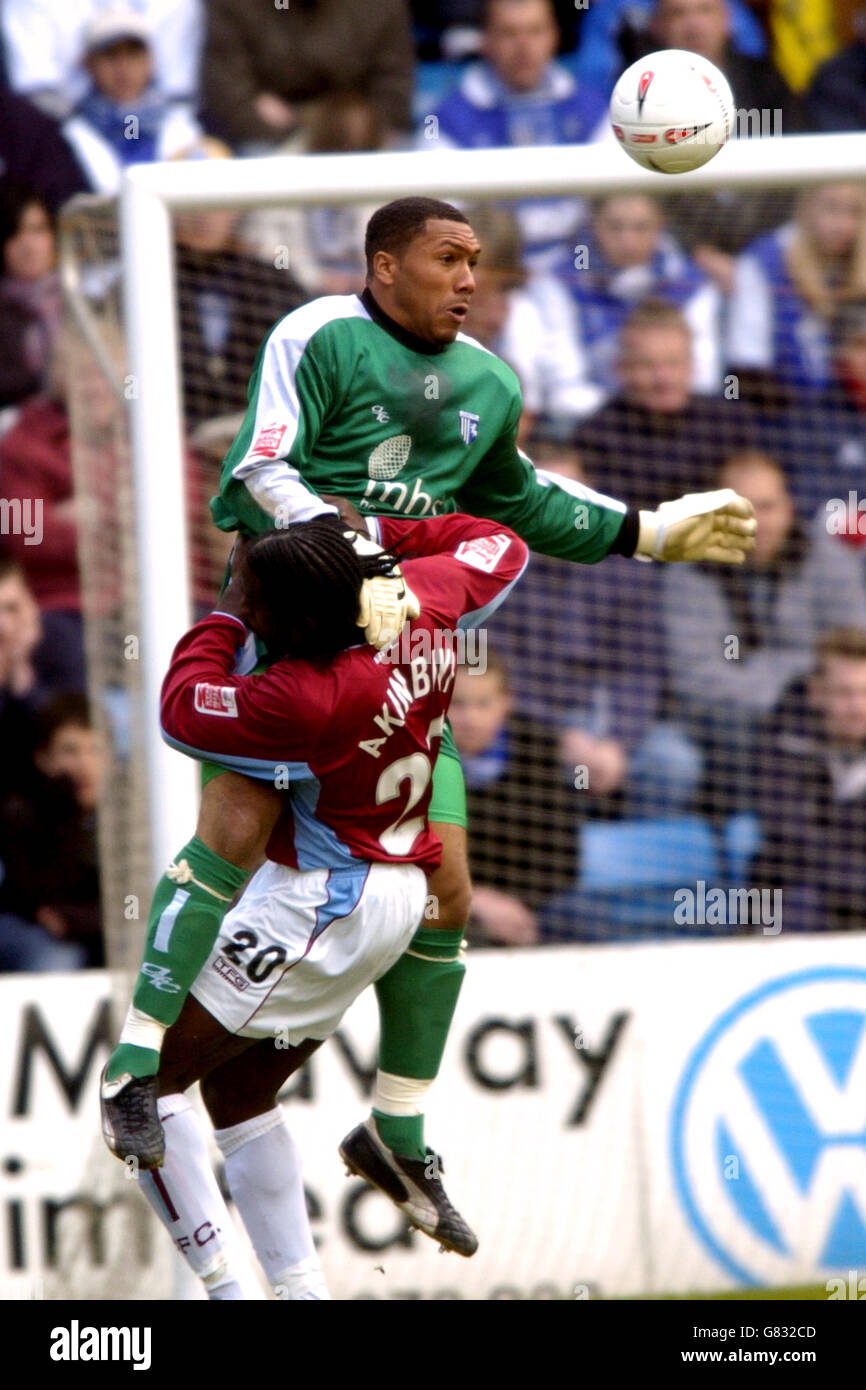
[820, 436]
[813, 795]
[616, 33]
[36, 478]
[598, 677]
[522, 829]
[789, 285]
[31, 298]
[714, 227]
[123, 117]
[49, 898]
[43, 41]
[324, 244]
[446, 29]
[704, 27]
[837, 97]
[228, 301]
[845, 408]
[33, 152]
[804, 34]
[262, 63]
[528, 321]
[656, 438]
[518, 95]
[21, 690]
[212, 548]
[453, 29]
[624, 255]
[737, 636]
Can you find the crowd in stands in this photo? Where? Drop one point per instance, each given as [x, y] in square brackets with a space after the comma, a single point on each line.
[664, 345]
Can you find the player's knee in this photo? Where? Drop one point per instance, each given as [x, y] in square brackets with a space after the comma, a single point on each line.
[229, 1105]
[236, 818]
[175, 1077]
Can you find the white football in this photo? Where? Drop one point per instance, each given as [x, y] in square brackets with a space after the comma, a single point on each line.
[672, 111]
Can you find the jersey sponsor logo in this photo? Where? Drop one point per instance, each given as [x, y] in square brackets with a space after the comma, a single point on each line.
[389, 457]
[216, 699]
[468, 426]
[381, 414]
[228, 972]
[268, 440]
[395, 497]
[484, 553]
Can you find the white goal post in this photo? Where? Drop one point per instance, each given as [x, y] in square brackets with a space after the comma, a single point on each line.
[151, 193]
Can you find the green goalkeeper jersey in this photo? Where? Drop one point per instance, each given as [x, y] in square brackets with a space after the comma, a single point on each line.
[343, 400]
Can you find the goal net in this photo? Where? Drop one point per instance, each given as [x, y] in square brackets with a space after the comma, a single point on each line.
[640, 741]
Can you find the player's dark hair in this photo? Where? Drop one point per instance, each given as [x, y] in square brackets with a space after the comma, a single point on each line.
[306, 580]
[394, 226]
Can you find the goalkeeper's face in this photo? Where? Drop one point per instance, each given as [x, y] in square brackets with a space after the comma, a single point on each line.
[428, 288]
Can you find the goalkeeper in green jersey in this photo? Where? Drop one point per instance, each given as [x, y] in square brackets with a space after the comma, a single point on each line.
[379, 403]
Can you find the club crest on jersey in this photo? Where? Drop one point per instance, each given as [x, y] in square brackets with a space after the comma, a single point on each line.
[484, 553]
[216, 699]
[468, 426]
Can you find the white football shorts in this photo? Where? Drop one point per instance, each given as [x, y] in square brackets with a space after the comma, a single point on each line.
[301, 945]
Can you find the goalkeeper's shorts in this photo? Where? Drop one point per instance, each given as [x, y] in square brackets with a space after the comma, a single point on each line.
[448, 802]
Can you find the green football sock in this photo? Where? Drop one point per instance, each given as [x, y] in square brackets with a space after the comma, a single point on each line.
[187, 911]
[417, 999]
[402, 1133]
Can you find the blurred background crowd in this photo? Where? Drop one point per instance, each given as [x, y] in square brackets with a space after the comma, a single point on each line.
[634, 728]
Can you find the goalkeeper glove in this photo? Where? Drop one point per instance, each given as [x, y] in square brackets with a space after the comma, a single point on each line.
[701, 526]
[386, 601]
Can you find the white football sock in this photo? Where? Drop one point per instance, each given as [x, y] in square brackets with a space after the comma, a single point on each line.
[263, 1172]
[184, 1195]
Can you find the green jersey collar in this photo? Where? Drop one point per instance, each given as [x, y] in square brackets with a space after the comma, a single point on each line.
[409, 340]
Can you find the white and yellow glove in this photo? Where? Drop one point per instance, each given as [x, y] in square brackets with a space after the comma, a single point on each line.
[386, 601]
[701, 526]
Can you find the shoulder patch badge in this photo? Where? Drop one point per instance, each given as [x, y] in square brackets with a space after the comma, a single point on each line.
[216, 699]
